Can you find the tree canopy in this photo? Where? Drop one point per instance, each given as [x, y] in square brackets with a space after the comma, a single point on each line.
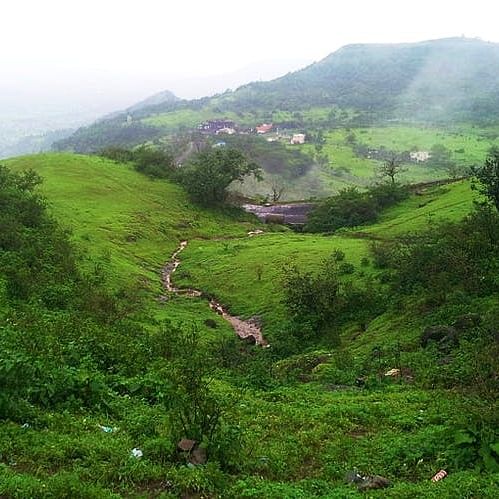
[208, 175]
[488, 177]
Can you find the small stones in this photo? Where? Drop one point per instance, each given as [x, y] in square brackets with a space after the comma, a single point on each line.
[194, 454]
[186, 445]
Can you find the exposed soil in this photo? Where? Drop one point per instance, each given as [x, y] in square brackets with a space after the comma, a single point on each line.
[245, 329]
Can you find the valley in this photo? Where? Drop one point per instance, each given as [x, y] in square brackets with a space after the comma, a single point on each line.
[301, 419]
[288, 290]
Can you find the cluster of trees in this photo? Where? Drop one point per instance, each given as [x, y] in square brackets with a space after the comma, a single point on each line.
[352, 207]
[150, 161]
[206, 177]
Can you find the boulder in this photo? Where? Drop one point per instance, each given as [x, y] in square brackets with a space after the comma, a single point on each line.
[466, 322]
[374, 482]
[186, 445]
[198, 456]
[444, 335]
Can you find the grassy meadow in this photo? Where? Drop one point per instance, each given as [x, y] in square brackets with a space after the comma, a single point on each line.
[293, 426]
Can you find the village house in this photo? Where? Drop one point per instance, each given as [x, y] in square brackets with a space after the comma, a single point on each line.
[420, 156]
[264, 128]
[298, 138]
[213, 126]
[226, 130]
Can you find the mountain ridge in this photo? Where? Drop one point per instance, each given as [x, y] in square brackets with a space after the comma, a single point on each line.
[376, 83]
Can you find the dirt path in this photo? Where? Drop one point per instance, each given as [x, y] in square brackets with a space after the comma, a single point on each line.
[245, 329]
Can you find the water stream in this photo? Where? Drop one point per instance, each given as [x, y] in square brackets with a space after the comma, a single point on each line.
[246, 329]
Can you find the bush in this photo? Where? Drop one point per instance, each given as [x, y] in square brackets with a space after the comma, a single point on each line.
[352, 207]
[150, 161]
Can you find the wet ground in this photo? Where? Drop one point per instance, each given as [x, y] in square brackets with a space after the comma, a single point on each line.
[245, 329]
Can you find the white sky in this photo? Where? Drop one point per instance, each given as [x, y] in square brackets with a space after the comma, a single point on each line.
[118, 51]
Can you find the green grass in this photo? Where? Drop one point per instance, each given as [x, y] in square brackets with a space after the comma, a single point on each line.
[299, 438]
[431, 205]
[245, 274]
[409, 138]
[130, 222]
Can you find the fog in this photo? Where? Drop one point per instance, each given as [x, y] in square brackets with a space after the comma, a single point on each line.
[64, 64]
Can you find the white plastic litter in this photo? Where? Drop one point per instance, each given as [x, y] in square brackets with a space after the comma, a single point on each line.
[136, 453]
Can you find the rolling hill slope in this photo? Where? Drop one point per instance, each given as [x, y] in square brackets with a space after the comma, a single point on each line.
[122, 217]
[358, 84]
[293, 425]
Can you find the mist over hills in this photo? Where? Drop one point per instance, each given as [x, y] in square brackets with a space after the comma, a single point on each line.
[436, 81]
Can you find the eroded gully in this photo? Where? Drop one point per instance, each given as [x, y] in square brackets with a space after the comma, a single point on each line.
[245, 329]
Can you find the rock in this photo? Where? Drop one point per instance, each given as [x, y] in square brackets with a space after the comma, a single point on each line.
[466, 321]
[444, 335]
[354, 477]
[360, 382]
[393, 373]
[374, 482]
[186, 445]
[211, 323]
[198, 456]
[249, 340]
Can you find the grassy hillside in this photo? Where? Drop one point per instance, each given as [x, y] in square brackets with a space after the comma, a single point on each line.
[122, 218]
[248, 272]
[294, 420]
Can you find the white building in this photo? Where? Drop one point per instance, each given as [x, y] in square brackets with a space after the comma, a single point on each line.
[227, 130]
[298, 138]
[420, 156]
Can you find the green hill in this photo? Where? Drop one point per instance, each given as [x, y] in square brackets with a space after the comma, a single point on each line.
[86, 387]
[120, 216]
[358, 84]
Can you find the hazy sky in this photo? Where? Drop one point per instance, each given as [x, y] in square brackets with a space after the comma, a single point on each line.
[114, 52]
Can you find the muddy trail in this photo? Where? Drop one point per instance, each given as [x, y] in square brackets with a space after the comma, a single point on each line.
[249, 330]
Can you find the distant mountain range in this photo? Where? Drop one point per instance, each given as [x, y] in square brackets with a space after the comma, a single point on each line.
[437, 81]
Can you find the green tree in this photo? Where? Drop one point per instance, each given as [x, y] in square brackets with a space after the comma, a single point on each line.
[488, 177]
[207, 177]
[347, 209]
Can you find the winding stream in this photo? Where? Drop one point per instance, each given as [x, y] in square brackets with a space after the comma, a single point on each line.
[246, 329]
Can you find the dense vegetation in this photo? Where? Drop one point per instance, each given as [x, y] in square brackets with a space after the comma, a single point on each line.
[351, 207]
[95, 368]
